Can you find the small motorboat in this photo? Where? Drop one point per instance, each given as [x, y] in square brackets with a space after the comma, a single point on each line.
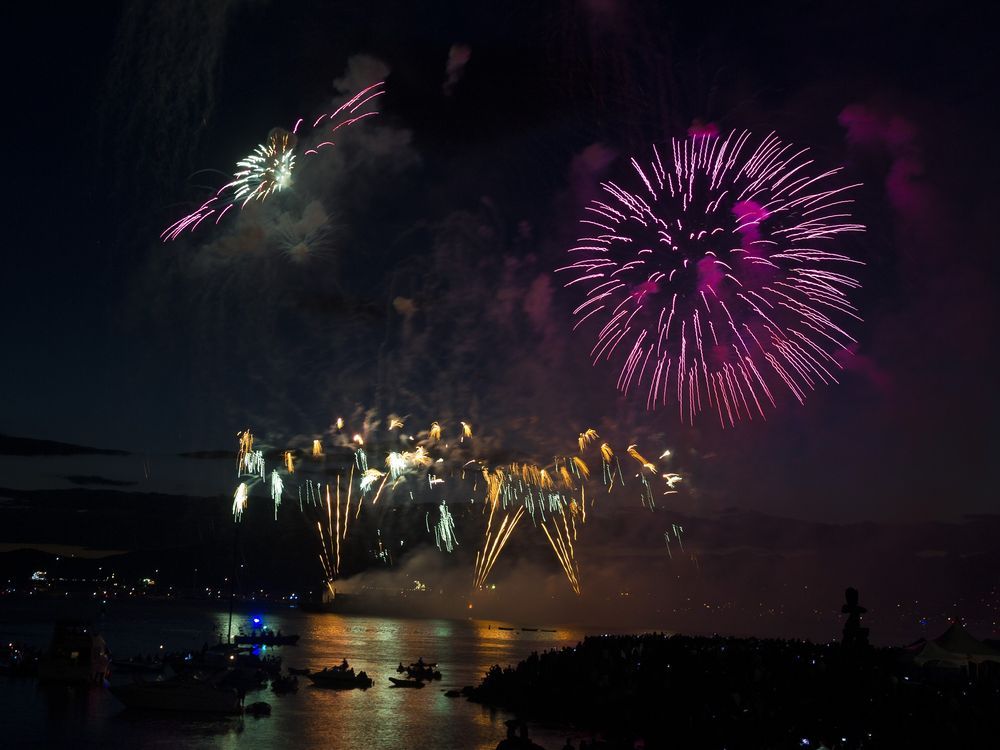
[396, 682]
[341, 678]
[420, 670]
[501, 627]
[425, 673]
[418, 664]
[258, 709]
[284, 685]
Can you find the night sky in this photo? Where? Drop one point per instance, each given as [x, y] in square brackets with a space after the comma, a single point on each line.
[432, 293]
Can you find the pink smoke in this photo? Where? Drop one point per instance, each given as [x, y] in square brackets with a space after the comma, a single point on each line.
[458, 56]
[700, 127]
[585, 169]
[748, 216]
[709, 274]
[853, 361]
[873, 128]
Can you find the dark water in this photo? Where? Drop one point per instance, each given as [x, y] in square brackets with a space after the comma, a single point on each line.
[382, 717]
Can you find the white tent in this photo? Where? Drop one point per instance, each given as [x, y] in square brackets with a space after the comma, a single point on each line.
[955, 648]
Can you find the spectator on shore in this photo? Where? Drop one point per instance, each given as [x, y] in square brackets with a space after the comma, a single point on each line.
[693, 692]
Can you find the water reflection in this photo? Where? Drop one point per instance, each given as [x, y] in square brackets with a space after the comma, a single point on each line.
[381, 717]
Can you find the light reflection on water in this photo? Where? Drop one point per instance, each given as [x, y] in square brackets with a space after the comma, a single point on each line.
[382, 717]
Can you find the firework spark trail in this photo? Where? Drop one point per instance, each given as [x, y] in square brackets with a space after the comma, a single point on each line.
[269, 168]
[562, 545]
[369, 478]
[245, 447]
[487, 557]
[633, 451]
[715, 273]
[324, 557]
[678, 530]
[347, 505]
[444, 531]
[329, 521]
[513, 490]
[289, 462]
[336, 536]
[240, 501]
[277, 486]
[254, 464]
[396, 464]
[379, 492]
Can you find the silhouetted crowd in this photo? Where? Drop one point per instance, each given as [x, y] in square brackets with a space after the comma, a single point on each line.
[659, 691]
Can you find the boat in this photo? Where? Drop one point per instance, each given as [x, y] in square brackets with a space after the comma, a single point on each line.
[188, 693]
[420, 670]
[396, 682]
[265, 637]
[77, 654]
[137, 665]
[245, 670]
[282, 685]
[258, 709]
[341, 679]
[418, 664]
[425, 673]
[501, 627]
[529, 630]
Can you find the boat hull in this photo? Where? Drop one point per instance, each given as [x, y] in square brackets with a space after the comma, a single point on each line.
[179, 697]
[340, 682]
[405, 683]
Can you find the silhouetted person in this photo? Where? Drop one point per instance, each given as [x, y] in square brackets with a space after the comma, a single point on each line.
[854, 634]
[511, 742]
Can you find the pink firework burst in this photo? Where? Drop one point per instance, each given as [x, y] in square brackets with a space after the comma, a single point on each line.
[270, 167]
[715, 279]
